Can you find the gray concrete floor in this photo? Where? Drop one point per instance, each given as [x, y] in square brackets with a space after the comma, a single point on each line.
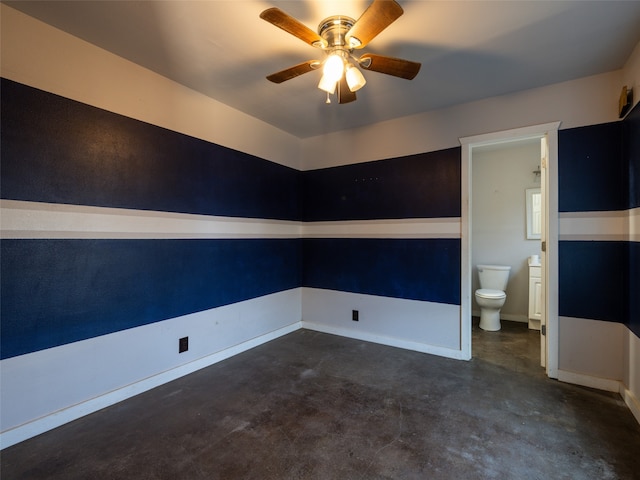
[316, 406]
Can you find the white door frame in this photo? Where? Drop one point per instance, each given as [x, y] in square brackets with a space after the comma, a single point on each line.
[550, 131]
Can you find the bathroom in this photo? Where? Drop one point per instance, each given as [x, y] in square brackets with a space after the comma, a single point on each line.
[502, 176]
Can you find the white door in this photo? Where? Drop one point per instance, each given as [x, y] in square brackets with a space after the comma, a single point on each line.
[544, 157]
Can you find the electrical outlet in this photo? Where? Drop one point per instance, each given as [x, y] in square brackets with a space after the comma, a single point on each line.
[183, 344]
[355, 315]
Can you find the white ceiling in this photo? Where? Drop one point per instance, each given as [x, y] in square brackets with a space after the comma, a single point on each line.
[469, 50]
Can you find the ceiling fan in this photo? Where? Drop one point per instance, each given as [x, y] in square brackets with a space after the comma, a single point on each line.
[338, 36]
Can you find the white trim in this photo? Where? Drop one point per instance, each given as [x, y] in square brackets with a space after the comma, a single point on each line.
[550, 131]
[465, 252]
[508, 136]
[515, 317]
[550, 271]
[56, 419]
[384, 340]
[605, 384]
[631, 400]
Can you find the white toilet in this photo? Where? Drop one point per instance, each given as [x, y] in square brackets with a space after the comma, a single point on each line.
[490, 296]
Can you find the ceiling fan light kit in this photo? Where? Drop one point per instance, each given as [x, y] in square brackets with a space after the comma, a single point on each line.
[355, 79]
[328, 84]
[333, 67]
[338, 36]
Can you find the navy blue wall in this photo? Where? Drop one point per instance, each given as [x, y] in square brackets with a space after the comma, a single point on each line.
[631, 126]
[60, 291]
[598, 169]
[426, 185]
[417, 186]
[592, 172]
[415, 269]
[634, 288]
[593, 280]
[61, 151]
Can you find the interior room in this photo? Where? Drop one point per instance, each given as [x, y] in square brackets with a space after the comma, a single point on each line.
[219, 260]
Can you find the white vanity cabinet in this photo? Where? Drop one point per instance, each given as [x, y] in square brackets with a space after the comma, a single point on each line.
[535, 296]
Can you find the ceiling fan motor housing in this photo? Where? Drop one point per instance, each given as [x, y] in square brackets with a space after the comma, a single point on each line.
[333, 30]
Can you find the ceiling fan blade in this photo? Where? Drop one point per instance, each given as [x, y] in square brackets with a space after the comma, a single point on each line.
[344, 94]
[286, 22]
[389, 65]
[378, 16]
[293, 72]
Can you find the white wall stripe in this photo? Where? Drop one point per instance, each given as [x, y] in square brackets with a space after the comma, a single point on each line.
[634, 225]
[604, 226]
[22, 220]
[47, 220]
[406, 228]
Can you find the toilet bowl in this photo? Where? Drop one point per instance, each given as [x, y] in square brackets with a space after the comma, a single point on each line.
[490, 303]
[490, 296]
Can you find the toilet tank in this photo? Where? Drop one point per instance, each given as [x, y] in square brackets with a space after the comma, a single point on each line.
[494, 277]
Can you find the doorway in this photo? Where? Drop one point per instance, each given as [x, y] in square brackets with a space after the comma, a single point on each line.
[547, 136]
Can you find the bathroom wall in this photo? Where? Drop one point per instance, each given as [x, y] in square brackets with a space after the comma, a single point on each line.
[500, 176]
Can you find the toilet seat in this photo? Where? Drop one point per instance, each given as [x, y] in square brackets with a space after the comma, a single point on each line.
[490, 293]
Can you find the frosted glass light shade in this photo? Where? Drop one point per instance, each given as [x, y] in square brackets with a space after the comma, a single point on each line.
[327, 84]
[355, 79]
[333, 67]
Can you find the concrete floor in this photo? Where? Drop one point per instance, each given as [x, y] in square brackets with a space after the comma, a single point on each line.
[317, 406]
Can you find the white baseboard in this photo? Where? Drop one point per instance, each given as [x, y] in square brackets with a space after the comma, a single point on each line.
[389, 341]
[605, 384]
[506, 316]
[56, 419]
[515, 318]
[631, 400]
